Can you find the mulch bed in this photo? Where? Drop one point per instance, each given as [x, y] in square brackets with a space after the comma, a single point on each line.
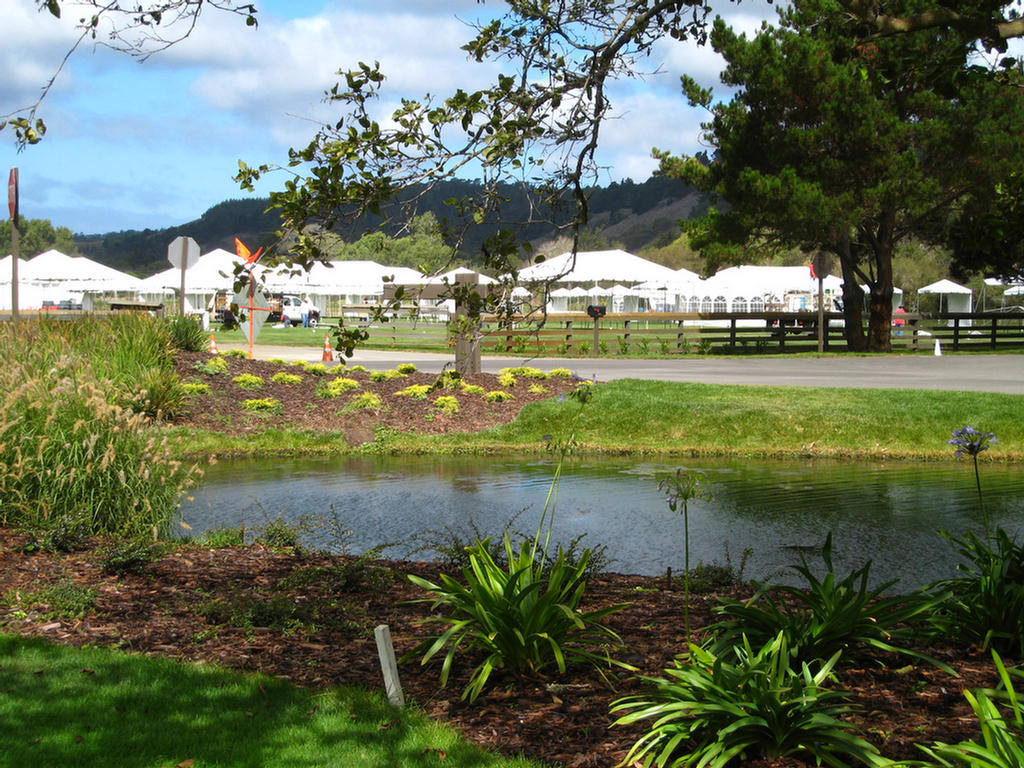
[302, 408]
[169, 611]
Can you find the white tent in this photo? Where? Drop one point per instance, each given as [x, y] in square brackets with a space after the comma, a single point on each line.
[596, 266]
[77, 278]
[29, 296]
[958, 297]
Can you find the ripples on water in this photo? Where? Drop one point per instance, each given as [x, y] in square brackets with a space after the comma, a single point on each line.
[888, 513]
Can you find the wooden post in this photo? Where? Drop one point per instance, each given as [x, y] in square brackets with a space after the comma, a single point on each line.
[386, 652]
[732, 333]
[956, 333]
[12, 203]
[597, 334]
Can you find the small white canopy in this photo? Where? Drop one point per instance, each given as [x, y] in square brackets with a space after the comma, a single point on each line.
[946, 286]
[596, 266]
[1015, 290]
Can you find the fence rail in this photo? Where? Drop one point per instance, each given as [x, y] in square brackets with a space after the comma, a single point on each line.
[680, 333]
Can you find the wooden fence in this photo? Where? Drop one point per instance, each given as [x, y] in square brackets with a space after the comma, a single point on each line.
[727, 332]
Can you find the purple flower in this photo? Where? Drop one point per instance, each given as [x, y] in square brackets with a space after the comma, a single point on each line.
[970, 441]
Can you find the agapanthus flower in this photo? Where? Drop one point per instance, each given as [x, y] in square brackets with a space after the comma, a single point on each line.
[970, 441]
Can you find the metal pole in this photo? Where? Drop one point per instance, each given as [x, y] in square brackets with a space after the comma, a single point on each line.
[184, 266]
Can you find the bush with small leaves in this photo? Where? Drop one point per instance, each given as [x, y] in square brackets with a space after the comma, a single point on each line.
[560, 372]
[506, 380]
[278, 534]
[357, 369]
[217, 538]
[128, 556]
[448, 380]
[378, 376]
[406, 368]
[286, 378]
[212, 367]
[236, 353]
[498, 396]
[248, 381]
[195, 388]
[336, 387]
[537, 389]
[415, 391]
[366, 401]
[277, 361]
[472, 389]
[447, 404]
[262, 405]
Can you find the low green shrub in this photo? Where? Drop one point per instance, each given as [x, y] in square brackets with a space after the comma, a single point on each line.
[286, 378]
[238, 354]
[248, 381]
[710, 709]
[128, 556]
[193, 388]
[378, 376]
[277, 534]
[186, 334]
[215, 366]
[63, 600]
[218, 538]
[985, 605]
[537, 389]
[415, 391]
[826, 617]
[446, 404]
[560, 372]
[365, 401]
[1000, 715]
[523, 617]
[336, 387]
[507, 380]
[406, 368]
[262, 405]
[498, 396]
[472, 389]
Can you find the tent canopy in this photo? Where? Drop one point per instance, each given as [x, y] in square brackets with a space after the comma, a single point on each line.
[596, 266]
[946, 286]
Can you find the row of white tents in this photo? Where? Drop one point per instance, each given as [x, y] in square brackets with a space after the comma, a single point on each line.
[620, 280]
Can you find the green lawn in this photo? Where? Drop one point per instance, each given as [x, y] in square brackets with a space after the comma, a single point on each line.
[107, 709]
[630, 416]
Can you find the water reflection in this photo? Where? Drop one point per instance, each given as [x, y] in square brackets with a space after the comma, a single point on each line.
[888, 513]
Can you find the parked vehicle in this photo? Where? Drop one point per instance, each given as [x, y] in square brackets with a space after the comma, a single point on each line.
[292, 308]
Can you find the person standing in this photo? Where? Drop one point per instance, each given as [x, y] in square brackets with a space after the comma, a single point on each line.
[898, 320]
[304, 310]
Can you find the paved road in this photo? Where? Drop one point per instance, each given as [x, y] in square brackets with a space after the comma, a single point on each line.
[977, 373]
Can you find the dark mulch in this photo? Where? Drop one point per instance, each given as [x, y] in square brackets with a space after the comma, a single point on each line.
[562, 721]
[303, 409]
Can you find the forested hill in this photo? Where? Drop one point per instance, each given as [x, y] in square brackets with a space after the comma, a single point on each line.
[624, 214]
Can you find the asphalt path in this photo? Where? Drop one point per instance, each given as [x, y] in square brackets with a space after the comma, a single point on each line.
[970, 373]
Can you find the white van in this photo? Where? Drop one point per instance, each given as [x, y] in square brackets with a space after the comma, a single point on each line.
[291, 312]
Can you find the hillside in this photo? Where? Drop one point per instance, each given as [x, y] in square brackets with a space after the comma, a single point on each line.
[624, 214]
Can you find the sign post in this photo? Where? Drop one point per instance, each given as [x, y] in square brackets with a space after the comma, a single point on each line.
[12, 204]
[183, 253]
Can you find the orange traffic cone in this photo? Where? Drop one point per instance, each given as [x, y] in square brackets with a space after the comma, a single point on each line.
[328, 352]
[213, 346]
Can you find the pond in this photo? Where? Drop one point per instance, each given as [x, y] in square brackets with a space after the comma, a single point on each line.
[887, 513]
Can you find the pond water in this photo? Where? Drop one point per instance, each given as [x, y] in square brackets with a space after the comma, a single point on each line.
[887, 513]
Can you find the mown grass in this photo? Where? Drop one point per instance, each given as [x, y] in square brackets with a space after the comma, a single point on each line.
[102, 708]
[630, 416]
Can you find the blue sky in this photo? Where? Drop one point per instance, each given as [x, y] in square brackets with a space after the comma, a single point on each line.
[135, 145]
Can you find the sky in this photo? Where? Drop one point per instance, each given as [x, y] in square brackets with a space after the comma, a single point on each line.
[153, 144]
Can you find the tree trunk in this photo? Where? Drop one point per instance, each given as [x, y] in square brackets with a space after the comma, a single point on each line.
[880, 317]
[853, 301]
